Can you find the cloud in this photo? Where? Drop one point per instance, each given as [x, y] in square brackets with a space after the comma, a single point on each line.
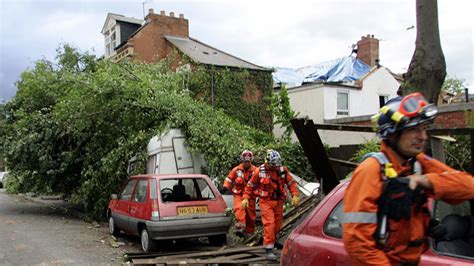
[268, 33]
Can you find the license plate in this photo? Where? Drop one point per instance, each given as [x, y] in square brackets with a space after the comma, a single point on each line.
[192, 210]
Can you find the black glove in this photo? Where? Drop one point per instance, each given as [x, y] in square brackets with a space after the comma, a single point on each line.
[436, 230]
[396, 200]
[223, 190]
[419, 198]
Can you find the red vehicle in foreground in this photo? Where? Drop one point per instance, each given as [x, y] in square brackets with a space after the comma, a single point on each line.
[318, 239]
[158, 207]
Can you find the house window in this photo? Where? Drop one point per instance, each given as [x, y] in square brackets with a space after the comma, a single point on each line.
[113, 41]
[383, 99]
[342, 103]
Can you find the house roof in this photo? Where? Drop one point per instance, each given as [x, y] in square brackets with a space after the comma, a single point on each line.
[345, 69]
[122, 18]
[203, 53]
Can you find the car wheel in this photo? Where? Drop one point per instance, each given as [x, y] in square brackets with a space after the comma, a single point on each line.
[148, 244]
[113, 229]
[218, 240]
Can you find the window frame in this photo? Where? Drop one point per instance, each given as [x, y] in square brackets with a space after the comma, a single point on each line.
[134, 182]
[339, 208]
[386, 98]
[137, 187]
[342, 112]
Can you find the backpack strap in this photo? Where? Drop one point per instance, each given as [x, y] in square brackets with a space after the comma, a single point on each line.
[386, 167]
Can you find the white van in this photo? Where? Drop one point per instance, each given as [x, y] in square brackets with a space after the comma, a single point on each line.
[168, 154]
[3, 179]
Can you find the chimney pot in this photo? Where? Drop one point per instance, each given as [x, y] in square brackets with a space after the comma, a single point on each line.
[163, 13]
[181, 16]
[172, 14]
[150, 11]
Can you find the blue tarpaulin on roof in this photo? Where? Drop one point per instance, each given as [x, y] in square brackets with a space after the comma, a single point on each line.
[341, 69]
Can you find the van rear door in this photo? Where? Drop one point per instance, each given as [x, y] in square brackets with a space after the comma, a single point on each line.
[184, 159]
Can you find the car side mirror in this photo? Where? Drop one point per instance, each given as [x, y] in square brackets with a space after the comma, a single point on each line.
[114, 196]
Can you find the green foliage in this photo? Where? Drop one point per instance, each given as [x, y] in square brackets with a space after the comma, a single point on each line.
[280, 107]
[72, 128]
[294, 158]
[458, 154]
[235, 92]
[454, 85]
[372, 145]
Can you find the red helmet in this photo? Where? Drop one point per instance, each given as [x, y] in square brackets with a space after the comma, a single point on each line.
[246, 156]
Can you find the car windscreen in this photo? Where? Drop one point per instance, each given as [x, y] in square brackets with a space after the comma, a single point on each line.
[185, 189]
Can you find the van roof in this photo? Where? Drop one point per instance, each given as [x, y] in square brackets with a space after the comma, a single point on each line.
[169, 176]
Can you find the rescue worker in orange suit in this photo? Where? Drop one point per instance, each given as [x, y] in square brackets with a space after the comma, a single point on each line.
[237, 180]
[386, 220]
[269, 182]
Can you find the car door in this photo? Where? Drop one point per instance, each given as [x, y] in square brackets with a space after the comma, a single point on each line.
[121, 211]
[319, 242]
[139, 211]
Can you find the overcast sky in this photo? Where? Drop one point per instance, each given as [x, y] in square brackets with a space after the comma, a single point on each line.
[279, 33]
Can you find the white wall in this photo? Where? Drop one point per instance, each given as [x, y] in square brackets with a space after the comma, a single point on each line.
[380, 82]
[319, 102]
[363, 101]
[335, 138]
[307, 101]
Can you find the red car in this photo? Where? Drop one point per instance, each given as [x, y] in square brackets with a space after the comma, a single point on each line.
[158, 207]
[318, 239]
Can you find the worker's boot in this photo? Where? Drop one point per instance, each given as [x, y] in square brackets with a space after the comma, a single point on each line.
[269, 254]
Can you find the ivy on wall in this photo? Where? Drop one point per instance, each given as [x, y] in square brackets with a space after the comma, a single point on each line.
[241, 93]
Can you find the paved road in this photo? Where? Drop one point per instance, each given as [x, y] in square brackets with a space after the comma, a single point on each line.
[36, 234]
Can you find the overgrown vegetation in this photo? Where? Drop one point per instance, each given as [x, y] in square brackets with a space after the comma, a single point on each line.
[458, 154]
[242, 94]
[280, 107]
[454, 85]
[72, 127]
[372, 145]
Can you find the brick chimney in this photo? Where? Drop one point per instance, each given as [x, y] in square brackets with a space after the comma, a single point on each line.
[368, 50]
[168, 25]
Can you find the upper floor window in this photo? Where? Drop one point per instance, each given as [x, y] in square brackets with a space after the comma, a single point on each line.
[113, 41]
[342, 103]
[383, 99]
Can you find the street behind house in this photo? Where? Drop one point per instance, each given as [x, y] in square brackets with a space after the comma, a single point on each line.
[34, 233]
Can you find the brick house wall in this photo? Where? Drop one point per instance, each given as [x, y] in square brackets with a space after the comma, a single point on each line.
[149, 42]
[449, 116]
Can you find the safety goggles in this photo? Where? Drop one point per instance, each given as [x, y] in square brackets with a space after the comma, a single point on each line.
[413, 104]
[275, 162]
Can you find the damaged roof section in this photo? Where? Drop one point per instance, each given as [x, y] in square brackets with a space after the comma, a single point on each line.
[345, 69]
[203, 53]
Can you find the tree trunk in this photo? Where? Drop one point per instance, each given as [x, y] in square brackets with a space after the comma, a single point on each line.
[427, 68]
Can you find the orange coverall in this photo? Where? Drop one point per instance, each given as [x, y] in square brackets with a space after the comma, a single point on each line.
[360, 210]
[237, 179]
[270, 185]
